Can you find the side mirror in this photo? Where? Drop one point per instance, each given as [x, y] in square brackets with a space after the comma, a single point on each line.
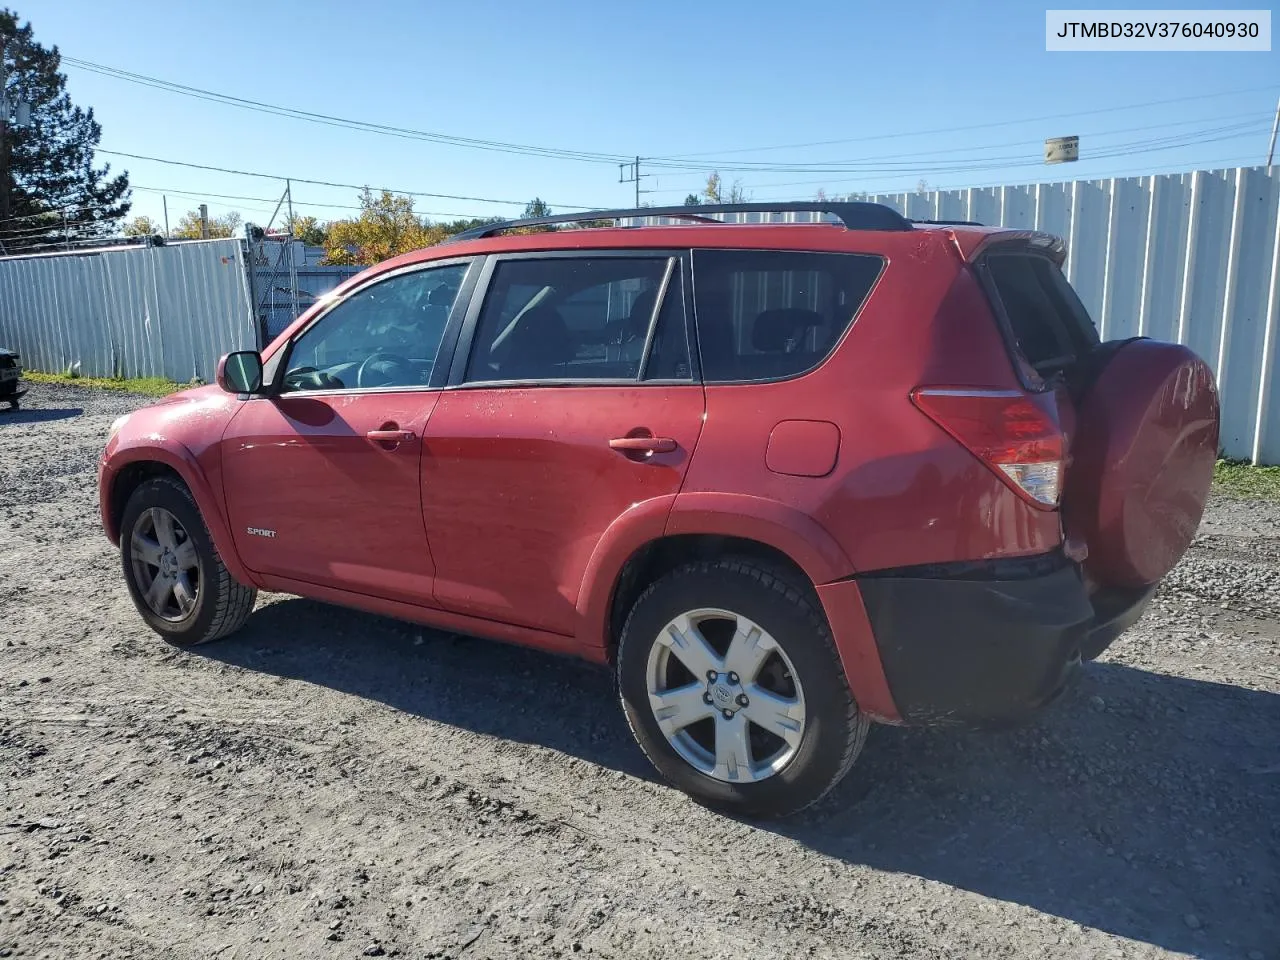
[240, 372]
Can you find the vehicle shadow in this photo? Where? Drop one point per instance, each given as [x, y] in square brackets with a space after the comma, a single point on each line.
[40, 415]
[480, 685]
[1137, 805]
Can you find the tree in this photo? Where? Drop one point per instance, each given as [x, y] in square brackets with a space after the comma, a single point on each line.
[142, 226]
[692, 200]
[51, 190]
[453, 227]
[536, 208]
[307, 229]
[715, 191]
[712, 190]
[227, 225]
[387, 226]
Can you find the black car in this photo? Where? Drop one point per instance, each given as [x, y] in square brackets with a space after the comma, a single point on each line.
[11, 388]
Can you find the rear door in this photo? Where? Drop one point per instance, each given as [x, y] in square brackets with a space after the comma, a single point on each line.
[573, 399]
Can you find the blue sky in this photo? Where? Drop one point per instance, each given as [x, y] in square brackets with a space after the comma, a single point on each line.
[658, 79]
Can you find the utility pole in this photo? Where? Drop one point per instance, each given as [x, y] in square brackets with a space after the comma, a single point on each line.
[4, 141]
[66, 229]
[165, 200]
[630, 172]
[1275, 126]
[288, 249]
[204, 221]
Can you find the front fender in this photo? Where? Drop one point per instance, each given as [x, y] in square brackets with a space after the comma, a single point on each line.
[119, 454]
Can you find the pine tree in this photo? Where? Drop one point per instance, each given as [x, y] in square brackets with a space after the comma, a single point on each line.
[50, 189]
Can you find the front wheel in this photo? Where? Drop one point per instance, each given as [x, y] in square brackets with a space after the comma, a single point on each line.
[175, 576]
[733, 689]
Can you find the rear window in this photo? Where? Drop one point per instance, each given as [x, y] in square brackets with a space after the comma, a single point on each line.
[1047, 320]
[768, 315]
[582, 319]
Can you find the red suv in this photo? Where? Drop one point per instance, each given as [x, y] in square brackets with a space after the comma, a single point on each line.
[786, 478]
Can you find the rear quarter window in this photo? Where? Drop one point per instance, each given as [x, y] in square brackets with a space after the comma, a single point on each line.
[770, 315]
[1047, 321]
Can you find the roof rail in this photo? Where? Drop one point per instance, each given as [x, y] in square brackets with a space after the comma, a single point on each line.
[855, 215]
[951, 223]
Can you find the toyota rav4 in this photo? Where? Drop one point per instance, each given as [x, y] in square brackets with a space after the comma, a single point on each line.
[785, 478]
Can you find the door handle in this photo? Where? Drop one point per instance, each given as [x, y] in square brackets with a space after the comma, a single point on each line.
[389, 436]
[643, 444]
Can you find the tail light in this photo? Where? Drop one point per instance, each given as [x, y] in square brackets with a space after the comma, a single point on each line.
[1015, 434]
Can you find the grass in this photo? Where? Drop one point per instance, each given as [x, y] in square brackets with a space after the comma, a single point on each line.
[1235, 478]
[152, 386]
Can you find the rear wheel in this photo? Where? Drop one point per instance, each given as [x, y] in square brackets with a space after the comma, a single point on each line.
[733, 689]
[175, 576]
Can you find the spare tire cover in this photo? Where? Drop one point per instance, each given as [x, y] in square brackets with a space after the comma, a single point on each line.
[1141, 461]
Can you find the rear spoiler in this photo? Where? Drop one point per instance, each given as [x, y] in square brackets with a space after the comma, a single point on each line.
[973, 244]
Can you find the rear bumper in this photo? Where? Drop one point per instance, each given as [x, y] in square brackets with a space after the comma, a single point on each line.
[986, 644]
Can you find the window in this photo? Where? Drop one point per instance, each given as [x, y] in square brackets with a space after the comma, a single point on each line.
[581, 318]
[1047, 319]
[766, 315]
[383, 335]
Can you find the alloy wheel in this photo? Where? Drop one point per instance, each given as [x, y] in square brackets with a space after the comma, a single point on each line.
[725, 695]
[166, 567]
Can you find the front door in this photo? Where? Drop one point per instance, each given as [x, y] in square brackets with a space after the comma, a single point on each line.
[322, 478]
[577, 401]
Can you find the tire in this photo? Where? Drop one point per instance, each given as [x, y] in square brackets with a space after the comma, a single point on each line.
[832, 729]
[220, 604]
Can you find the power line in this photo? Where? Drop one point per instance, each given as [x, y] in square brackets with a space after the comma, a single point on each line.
[71, 238]
[52, 228]
[875, 165]
[1192, 166]
[968, 126]
[344, 122]
[71, 245]
[978, 166]
[874, 175]
[57, 212]
[991, 146]
[325, 183]
[302, 203]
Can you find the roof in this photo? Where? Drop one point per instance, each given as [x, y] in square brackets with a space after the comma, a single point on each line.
[834, 227]
[852, 215]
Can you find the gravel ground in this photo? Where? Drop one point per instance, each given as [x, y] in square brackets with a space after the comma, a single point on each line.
[329, 784]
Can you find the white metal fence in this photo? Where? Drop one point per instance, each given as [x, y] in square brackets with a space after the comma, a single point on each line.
[1188, 257]
[166, 311]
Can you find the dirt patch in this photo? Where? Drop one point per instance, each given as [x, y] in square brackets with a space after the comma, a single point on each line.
[329, 784]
